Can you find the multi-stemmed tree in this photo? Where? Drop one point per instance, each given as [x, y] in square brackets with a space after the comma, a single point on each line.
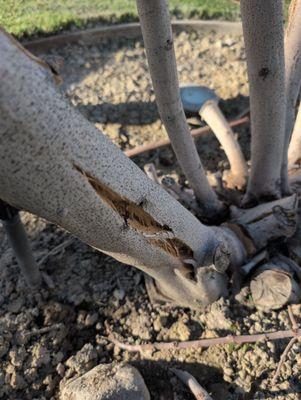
[55, 164]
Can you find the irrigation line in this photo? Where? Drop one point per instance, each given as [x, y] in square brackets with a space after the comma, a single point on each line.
[166, 142]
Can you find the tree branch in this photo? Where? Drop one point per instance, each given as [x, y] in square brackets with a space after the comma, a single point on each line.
[290, 344]
[294, 150]
[237, 176]
[196, 344]
[196, 389]
[292, 86]
[158, 41]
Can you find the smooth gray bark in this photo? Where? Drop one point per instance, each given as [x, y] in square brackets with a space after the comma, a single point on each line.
[158, 40]
[263, 35]
[294, 153]
[237, 176]
[292, 82]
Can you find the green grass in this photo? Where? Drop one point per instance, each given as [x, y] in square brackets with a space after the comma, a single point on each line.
[25, 18]
[44, 17]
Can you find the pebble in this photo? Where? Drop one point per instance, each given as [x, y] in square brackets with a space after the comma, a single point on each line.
[107, 382]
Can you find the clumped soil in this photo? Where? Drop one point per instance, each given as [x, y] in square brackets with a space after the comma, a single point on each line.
[110, 84]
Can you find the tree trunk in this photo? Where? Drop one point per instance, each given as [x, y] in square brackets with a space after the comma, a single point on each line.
[294, 153]
[158, 40]
[292, 81]
[55, 164]
[263, 35]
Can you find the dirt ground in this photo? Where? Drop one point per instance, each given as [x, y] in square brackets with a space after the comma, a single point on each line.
[110, 84]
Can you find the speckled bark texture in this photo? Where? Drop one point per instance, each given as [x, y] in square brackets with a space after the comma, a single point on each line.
[158, 41]
[292, 81]
[263, 35]
[58, 166]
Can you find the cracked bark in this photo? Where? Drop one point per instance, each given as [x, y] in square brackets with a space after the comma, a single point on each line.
[55, 164]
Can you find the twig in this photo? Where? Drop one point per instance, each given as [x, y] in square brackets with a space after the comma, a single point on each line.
[196, 389]
[194, 344]
[166, 142]
[246, 269]
[171, 187]
[243, 113]
[46, 329]
[282, 359]
[295, 329]
[294, 323]
[151, 172]
[180, 193]
[55, 250]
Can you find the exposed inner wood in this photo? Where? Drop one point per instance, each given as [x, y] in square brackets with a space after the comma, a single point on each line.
[137, 218]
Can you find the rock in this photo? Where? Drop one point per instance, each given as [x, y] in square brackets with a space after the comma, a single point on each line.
[91, 319]
[107, 382]
[83, 360]
[60, 369]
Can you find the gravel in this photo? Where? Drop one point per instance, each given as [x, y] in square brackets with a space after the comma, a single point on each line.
[109, 83]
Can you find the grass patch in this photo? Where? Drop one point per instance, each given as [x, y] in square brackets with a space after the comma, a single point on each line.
[25, 18]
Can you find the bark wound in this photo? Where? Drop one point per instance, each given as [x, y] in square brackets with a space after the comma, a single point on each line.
[168, 45]
[138, 219]
[263, 73]
[173, 246]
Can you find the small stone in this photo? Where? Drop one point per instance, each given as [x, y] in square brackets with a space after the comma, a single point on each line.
[179, 331]
[119, 294]
[228, 371]
[157, 324]
[91, 319]
[83, 360]
[107, 382]
[60, 369]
